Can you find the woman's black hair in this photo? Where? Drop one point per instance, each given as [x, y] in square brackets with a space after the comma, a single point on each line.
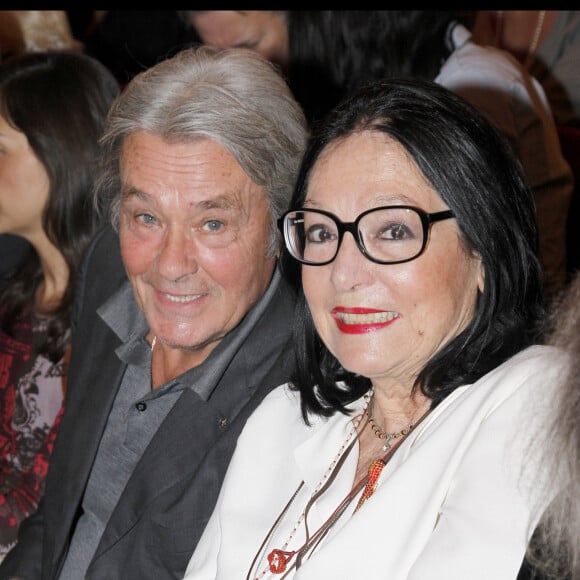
[472, 167]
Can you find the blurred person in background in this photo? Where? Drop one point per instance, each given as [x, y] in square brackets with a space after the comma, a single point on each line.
[23, 31]
[52, 111]
[546, 43]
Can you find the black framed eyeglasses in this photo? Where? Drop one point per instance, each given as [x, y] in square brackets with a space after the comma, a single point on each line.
[385, 235]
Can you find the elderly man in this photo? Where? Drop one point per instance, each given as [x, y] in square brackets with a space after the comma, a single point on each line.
[199, 157]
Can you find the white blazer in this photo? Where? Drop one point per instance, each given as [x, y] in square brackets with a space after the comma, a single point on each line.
[453, 503]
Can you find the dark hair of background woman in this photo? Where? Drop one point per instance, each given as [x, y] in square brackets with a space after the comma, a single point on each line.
[62, 116]
[334, 52]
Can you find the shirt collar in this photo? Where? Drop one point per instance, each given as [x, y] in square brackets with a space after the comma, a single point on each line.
[125, 319]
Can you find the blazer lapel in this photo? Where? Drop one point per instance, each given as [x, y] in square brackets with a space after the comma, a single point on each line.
[96, 382]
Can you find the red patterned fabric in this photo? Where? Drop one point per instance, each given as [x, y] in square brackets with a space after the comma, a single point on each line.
[31, 399]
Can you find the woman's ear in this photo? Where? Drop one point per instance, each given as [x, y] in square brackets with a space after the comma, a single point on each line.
[481, 276]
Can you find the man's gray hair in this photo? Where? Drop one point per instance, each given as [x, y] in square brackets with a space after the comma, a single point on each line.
[234, 97]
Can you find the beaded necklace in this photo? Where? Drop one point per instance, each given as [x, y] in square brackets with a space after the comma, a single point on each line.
[382, 434]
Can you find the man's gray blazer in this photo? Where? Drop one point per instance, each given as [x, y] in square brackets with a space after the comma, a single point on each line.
[171, 494]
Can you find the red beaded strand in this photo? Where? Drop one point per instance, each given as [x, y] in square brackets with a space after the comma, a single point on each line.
[375, 470]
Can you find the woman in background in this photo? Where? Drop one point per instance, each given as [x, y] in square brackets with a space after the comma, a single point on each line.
[52, 109]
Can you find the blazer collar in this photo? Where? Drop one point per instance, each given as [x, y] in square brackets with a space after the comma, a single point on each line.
[122, 315]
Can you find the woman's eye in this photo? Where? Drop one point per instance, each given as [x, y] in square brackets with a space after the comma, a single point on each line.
[396, 232]
[318, 234]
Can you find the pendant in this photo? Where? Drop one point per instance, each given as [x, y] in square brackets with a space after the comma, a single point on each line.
[387, 444]
[278, 560]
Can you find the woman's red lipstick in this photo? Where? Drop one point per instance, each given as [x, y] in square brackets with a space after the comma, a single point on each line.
[362, 320]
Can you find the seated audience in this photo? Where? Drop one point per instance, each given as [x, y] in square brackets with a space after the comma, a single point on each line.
[333, 52]
[182, 323]
[52, 111]
[393, 451]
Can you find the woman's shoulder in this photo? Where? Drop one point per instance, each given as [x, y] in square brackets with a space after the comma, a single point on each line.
[280, 406]
[533, 358]
[276, 426]
[532, 370]
[534, 361]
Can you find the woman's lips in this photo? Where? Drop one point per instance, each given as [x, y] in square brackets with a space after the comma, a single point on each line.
[362, 320]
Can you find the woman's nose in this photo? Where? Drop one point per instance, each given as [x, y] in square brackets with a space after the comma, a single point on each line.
[350, 266]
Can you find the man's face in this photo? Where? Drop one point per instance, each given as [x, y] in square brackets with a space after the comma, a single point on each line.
[194, 231]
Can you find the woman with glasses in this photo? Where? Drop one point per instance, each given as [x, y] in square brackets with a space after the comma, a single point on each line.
[396, 451]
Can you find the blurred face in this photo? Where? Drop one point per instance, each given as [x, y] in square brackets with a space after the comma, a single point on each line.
[24, 185]
[263, 31]
[194, 231]
[386, 321]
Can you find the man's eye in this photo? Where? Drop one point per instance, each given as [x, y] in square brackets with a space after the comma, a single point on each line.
[213, 226]
[146, 218]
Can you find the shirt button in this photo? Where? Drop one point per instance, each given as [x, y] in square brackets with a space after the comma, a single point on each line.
[141, 407]
[222, 422]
